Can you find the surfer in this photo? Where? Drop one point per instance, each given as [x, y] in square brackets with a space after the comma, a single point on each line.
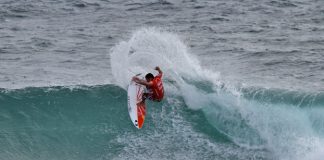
[154, 86]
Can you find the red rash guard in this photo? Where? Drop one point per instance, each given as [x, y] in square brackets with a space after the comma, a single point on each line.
[157, 88]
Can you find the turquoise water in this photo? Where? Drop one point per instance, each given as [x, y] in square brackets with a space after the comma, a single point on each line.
[89, 123]
[92, 122]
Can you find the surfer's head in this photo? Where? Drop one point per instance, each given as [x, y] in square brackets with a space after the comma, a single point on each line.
[149, 77]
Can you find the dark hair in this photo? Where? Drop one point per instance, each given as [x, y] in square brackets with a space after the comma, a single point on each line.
[149, 75]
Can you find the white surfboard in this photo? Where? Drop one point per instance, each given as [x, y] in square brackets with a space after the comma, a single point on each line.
[136, 107]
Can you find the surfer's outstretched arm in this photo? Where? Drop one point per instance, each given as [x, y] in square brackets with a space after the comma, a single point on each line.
[142, 82]
[158, 69]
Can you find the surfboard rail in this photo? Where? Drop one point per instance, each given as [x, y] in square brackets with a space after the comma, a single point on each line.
[136, 105]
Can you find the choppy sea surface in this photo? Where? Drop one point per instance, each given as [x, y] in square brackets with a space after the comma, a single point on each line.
[244, 79]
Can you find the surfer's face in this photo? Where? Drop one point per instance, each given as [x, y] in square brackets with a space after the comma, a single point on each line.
[149, 79]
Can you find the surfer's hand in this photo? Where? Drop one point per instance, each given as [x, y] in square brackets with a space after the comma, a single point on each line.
[135, 78]
[158, 69]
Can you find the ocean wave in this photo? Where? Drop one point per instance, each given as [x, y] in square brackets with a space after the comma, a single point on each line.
[92, 121]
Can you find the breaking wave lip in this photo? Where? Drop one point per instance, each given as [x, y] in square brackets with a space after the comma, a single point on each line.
[280, 96]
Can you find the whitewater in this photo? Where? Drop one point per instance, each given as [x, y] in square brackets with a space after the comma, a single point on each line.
[240, 83]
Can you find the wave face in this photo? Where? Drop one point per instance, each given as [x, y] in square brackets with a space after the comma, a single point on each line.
[92, 123]
[61, 123]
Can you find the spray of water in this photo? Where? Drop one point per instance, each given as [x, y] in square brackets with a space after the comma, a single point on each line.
[285, 130]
